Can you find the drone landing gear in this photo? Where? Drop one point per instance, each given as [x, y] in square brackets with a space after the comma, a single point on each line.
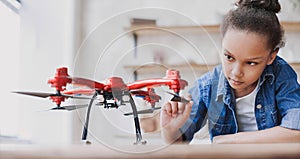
[139, 139]
[85, 129]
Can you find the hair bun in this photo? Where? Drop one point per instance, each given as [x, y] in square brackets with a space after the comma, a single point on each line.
[269, 5]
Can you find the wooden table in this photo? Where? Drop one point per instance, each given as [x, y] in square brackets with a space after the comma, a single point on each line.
[152, 151]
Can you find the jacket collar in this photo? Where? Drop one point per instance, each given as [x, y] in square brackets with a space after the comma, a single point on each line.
[267, 75]
[224, 89]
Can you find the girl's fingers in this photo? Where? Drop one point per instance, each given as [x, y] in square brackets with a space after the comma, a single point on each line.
[174, 109]
[181, 107]
[168, 108]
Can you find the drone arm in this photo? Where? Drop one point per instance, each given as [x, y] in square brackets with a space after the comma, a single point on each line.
[148, 83]
[174, 84]
[172, 80]
[80, 91]
[89, 83]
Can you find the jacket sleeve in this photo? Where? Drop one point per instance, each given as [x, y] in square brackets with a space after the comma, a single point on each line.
[288, 97]
[197, 115]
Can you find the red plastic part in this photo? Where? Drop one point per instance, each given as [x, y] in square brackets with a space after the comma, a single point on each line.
[149, 95]
[89, 83]
[61, 79]
[80, 91]
[115, 83]
[172, 80]
[112, 83]
[58, 99]
[152, 97]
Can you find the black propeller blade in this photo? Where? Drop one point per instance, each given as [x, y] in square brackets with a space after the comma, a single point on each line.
[36, 94]
[75, 97]
[177, 98]
[146, 111]
[70, 107]
[45, 95]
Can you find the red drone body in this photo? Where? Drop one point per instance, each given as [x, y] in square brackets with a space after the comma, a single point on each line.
[115, 84]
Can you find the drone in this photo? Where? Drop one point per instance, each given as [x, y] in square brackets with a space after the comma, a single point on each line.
[111, 94]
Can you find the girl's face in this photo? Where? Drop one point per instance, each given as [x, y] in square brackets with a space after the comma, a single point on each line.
[245, 55]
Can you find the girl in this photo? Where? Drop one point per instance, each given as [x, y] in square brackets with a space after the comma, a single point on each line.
[254, 96]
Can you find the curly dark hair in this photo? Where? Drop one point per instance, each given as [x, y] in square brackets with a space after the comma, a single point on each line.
[257, 16]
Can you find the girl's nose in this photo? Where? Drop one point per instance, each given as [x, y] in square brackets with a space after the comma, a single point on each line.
[237, 70]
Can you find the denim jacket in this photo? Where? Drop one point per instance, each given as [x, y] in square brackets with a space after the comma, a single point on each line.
[277, 101]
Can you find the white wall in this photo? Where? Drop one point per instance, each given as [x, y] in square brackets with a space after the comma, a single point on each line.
[47, 42]
[9, 67]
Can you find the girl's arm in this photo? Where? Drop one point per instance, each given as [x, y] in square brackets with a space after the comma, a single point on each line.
[276, 134]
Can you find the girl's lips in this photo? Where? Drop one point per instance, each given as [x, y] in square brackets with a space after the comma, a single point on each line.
[235, 82]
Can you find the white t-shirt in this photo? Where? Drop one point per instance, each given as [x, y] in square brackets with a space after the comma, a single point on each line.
[245, 114]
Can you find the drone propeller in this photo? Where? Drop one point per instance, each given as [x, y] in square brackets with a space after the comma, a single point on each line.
[69, 107]
[146, 111]
[177, 98]
[45, 95]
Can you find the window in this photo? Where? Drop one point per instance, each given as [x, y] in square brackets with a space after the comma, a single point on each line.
[9, 66]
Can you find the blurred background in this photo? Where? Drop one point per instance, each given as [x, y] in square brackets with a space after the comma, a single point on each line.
[97, 39]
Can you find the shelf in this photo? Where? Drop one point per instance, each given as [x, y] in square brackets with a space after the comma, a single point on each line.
[159, 68]
[291, 26]
[296, 67]
[154, 29]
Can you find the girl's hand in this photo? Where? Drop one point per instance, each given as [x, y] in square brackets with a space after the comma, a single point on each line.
[174, 115]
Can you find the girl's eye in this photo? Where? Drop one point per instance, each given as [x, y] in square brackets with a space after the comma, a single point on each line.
[252, 63]
[229, 58]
